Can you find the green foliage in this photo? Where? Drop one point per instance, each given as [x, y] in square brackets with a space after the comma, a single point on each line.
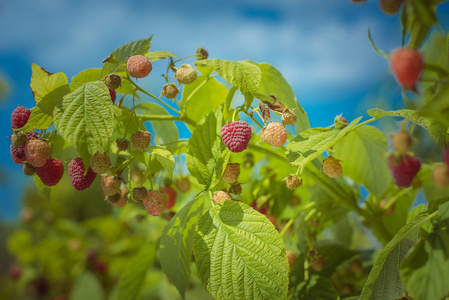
[239, 254]
[157, 55]
[87, 287]
[176, 245]
[164, 157]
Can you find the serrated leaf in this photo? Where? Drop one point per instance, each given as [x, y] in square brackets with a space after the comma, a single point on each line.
[408, 114]
[87, 287]
[133, 279]
[239, 254]
[176, 245]
[44, 82]
[244, 75]
[426, 269]
[156, 55]
[85, 118]
[206, 153]
[362, 155]
[202, 96]
[84, 77]
[384, 281]
[165, 157]
[273, 83]
[38, 120]
[311, 143]
[122, 53]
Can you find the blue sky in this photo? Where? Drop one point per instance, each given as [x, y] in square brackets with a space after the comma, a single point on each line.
[320, 46]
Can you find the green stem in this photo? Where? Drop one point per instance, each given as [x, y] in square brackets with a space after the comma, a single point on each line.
[229, 98]
[364, 123]
[187, 57]
[175, 142]
[396, 197]
[254, 120]
[166, 118]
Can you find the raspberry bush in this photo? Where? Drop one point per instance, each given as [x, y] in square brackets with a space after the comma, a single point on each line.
[281, 221]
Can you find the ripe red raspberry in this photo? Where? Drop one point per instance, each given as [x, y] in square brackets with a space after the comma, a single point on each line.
[332, 167]
[76, 173]
[403, 169]
[122, 144]
[221, 196]
[110, 185]
[15, 159]
[401, 141]
[170, 91]
[340, 122]
[292, 182]
[140, 193]
[141, 140]
[236, 135]
[274, 134]
[155, 203]
[446, 156]
[407, 65]
[100, 163]
[186, 74]
[441, 176]
[231, 173]
[390, 7]
[28, 169]
[19, 117]
[37, 152]
[18, 138]
[171, 193]
[138, 66]
[51, 173]
[113, 81]
[183, 184]
[19, 151]
[289, 117]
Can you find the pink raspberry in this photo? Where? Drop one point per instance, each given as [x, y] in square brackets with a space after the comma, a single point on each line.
[51, 173]
[155, 203]
[236, 135]
[171, 193]
[406, 65]
[37, 152]
[19, 117]
[76, 173]
[274, 134]
[138, 66]
[404, 169]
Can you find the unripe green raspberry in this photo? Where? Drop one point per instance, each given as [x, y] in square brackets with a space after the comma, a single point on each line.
[202, 53]
[122, 144]
[18, 138]
[113, 81]
[110, 185]
[231, 173]
[236, 189]
[292, 182]
[401, 141]
[114, 199]
[186, 74]
[28, 169]
[100, 163]
[221, 196]
[140, 193]
[141, 140]
[340, 122]
[332, 167]
[289, 117]
[170, 91]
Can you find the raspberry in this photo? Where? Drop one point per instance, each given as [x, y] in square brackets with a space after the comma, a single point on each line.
[14, 272]
[122, 144]
[171, 193]
[231, 173]
[37, 152]
[289, 117]
[28, 169]
[141, 140]
[170, 91]
[19, 151]
[113, 81]
[113, 95]
[401, 141]
[441, 176]
[138, 66]
[123, 198]
[51, 173]
[76, 173]
[110, 185]
[340, 122]
[407, 65]
[236, 135]
[221, 196]
[114, 199]
[292, 182]
[15, 159]
[446, 156]
[100, 163]
[183, 184]
[155, 203]
[140, 193]
[202, 53]
[186, 74]
[390, 7]
[274, 134]
[403, 169]
[332, 167]
[236, 189]
[18, 138]
[19, 117]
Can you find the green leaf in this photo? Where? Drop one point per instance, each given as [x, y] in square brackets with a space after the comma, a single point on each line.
[87, 287]
[156, 55]
[206, 153]
[84, 77]
[44, 82]
[317, 288]
[165, 131]
[334, 254]
[239, 254]
[273, 83]
[408, 114]
[202, 96]
[165, 157]
[244, 75]
[38, 120]
[133, 279]
[384, 281]
[46, 190]
[426, 269]
[362, 153]
[311, 143]
[122, 53]
[176, 245]
[431, 192]
[85, 118]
